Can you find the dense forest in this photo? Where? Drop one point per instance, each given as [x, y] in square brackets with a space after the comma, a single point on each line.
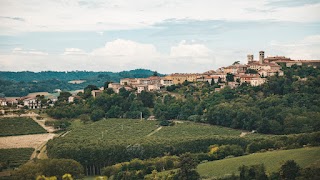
[17, 84]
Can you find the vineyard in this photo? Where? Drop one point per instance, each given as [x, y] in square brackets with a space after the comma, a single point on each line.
[19, 126]
[117, 140]
[11, 158]
[124, 131]
[111, 141]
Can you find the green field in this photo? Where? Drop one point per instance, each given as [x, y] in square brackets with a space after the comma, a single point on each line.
[19, 126]
[272, 161]
[15, 157]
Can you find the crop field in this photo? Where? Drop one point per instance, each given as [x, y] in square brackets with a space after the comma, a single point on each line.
[272, 161]
[19, 126]
[15, 157]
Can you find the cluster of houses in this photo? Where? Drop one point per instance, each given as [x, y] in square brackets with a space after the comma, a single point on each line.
[253, 73]
[32, 101]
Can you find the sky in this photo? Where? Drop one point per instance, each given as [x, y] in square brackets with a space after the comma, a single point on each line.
[167, 36]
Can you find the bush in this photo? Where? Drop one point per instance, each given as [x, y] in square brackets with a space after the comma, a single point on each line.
[48, 168]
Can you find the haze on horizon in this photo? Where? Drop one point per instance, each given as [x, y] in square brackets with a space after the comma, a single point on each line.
[162, 35]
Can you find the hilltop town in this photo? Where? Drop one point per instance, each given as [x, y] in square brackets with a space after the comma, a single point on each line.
[254, 72]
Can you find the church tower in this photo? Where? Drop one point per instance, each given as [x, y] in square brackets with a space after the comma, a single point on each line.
[250, 58]
[261, 57]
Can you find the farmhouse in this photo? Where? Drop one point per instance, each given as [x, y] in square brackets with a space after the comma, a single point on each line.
[96, 93]
[32, 103]
[3, 102]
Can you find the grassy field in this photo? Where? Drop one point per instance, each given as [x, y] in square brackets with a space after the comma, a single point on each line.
[19, 126]
[15, 157]
[272, 161]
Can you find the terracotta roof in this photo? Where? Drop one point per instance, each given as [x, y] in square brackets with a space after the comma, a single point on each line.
[249, 76]
[154, 78]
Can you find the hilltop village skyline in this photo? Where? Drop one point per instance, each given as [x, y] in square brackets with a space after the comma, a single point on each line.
[254, 73]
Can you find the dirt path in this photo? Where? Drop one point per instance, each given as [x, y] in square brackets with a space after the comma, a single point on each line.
[64, 134]
[153, 132]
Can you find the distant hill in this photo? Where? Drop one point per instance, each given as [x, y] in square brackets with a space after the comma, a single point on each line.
[28, 76]
[25, 82]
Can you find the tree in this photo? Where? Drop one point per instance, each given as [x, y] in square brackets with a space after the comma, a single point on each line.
[290, 170]
[230, 77]
[228, 93]
[147, 98]
[63, 97]
[123, 92]
[67, 177]
[187, 168]
[106, 84]
[236, 62]
[114, 112]
[97, 114]
[220, 152]
[109, 91]
[212, 82]
[48, 168]
[185, 83]
[88, 89]
[84, 118]
[155, 73]
[253, 172]
[251, 71]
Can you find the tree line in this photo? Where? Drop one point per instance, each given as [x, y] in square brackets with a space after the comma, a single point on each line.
[18, 84]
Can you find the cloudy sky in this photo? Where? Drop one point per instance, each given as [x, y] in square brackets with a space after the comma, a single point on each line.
[163, 35]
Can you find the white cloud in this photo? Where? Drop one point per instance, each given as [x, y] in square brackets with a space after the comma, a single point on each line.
[190, 50]
[116, 55]
[74, 51]
[197, 57]
[99, 15]
[306, 48]
[121, 47]
[120, 54]
[28, 52]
